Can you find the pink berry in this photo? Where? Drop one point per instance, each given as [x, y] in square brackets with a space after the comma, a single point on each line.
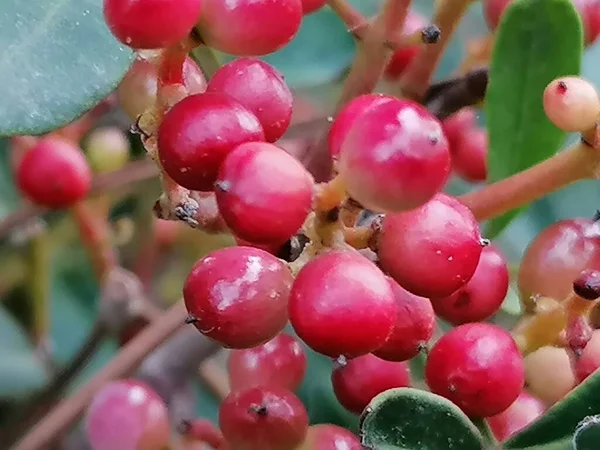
[347, 116]
[330, 437]
[128, 415]
[238, 296]
[493, 10]
[263, 193]
[469, 156]
[478, 367]
[395, 158]
[249, 27]
[459, 124]
[414, 327]
[342, 304]
[54, 173]
[524, 410]
[263, 418]
[572, 104]
[357, 381]
[151, 24]
[483, 294]
[310, 6]
[404, 56]
[549, 374]
[199, 132]
[589, 361]
[279, 362]
[442, 240]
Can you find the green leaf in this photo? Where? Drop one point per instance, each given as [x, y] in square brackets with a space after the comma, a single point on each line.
[411, 419]
[587, 434]
[58, 60]
[537, 41]
[8, 194]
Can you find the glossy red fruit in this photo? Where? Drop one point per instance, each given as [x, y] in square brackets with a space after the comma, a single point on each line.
[556, 257]
[199, 132]
[260, 88]
[589, 361]
[54, 173]
[478, 367]
[395, 158]
[482, 296]
[347, 116]
[442, 240]
[330, 437]
[342, 304]
[469, 156]
[414, 327]
[404, 56]
[459, 124]
[264, 194]
[263, 418]
[151, 24]
[572, 104]
[238, 296]
[249, 27]
[524, 410]
[549, 374]
[357, 381]
[310, 6]
[279, 362]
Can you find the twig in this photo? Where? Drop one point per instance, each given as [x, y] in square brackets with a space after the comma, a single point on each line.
[215, 377]
[445, 98]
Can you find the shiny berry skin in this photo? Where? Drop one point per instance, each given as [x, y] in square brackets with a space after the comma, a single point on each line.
[414, 327]
[330, 437]
[395, 158]
[260, 88]
[263, 418]
[342, 304]
[482, 296]
[442, 240]
[524, 410]
[357, 381]
[151, 24]
[589, 361]
[249, 27]
[469, 156]
[549, 374]
[238, 296]
[402, 57]
[459, 124]
[310, 6]
[556, 257]
[54, 173]
[128, 415]
[478, 367]
[199, 132]
[572, 104]
[201, 431]
[263, 193]
[279, 362]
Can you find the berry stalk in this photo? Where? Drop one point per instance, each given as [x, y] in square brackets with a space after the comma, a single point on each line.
[39, 286]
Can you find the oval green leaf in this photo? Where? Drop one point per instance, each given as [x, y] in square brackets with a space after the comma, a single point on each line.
[537, 41]
[58, 60]
[411, 419]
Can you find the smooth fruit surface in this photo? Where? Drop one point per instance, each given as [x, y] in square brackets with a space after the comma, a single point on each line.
[469, 156]
[402, 57]
[330, 437]
[524, 410]
[199, 132]
[589, 361]
[459, 124]
[478, 367]
[310, 6]
[572, 104]
[342, 304]
[107, 149]
[549, 374]
[238, 296]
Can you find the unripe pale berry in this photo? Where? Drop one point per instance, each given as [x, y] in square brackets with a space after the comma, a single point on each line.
[524, 410]
[402, 57]
[572, 104]
[589, 361]
[107, 149]
[199, 132]
[469, 156]
[395, 158]
[330, 437]
[549, 374]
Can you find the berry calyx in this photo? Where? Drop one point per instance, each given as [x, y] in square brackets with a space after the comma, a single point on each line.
[151, 24]
[260, 88]
[54, 173]
[402, 57]
[357, 381]
[478, 367]
[549, 374]
[587, 284]
[263, 418]
[524, 410]
[572, 104]
[330, 437]
[279, 362]
[238, 296]
[443, 241]
[199, 132]
[263, 193]
[342, 304]
[469, 156]
[395, 158]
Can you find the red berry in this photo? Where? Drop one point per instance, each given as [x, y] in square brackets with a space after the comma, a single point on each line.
[483, 294]
[572, 104]
[310, 6]
[263, 193]
[279, 362]
[263, 418]
[459, 124]
[404, 55]
[238, 296]
[342, 304]
[347, 116]
[414, 327]
[589, 361]
[524, 410]
[199, 132]
[469, 156]
[260, 88]
[357, 381]
[249, 27]
[330, 437]
[151, 24]
[549, 374]
[431, 251]
[478, 367]
[395, 158]
[54, 173]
